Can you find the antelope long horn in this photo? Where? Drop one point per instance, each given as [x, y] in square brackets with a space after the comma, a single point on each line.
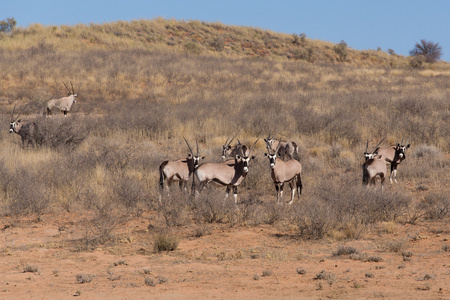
[232, 139]
[196, 141]
[367, 145]
[188, 146]
[279, 145]
[276, 135]
[226, 142]
[21, 111]
[407, 140]
[376, 147]
[12, 114]
[66, 87]
[253, 147]
[402, 140]
[73, 91]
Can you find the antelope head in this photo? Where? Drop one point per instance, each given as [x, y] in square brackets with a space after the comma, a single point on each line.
[374, 153]
[195, 158]
[270, 140]
[272, 156]
[227, 147]
[71, 93]
[246, 159]
[400, 149]
[14, 124]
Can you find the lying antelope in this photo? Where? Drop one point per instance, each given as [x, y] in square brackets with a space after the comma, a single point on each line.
[374, 165]
[286, 150]
[285, 171]
[179, 170]
[63, 104]
[28, 131]
[230, 173]
[230, 152]
[394, 155]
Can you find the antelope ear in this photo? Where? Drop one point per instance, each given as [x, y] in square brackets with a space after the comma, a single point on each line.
[189, 155]
[398, 145]
[238, 156]
[202, 157]
[253, 157]
[378, 156]
[266, 154]
[265, 140]
[407, 146]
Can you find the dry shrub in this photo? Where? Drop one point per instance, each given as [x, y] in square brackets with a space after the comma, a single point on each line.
[129, 192]
[345, 250]
[60, 132]
[26, 193]
[174, 208]
[166, 242]
[100, 228]
[348, 207]
[210, 206]
[436, 205]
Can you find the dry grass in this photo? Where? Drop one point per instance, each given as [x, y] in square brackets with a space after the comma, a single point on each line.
[144, 85]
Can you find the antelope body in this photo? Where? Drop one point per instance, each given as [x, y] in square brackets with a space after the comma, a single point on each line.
[287, 150]
[63, 104]
[179, 170]
[285, 171]
[230, 173]
[394, 155]
[374, 166]
[28, 131]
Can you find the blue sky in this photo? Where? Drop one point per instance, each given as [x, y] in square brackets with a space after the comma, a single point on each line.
[362, 24]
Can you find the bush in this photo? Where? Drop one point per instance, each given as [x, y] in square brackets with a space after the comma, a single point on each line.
[429, 51]
[165, 242]
[341, 51]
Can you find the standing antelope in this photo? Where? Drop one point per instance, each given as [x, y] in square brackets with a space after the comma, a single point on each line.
[374, 166]
[230, 152]
[179, 170]
[28, 131]
[286, 150]
[230, 173]
[394, 155]
[285, 171]
[63, 104]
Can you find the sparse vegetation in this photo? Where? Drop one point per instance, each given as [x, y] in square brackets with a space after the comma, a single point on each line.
[144, 85]
[165, 242]
[84, 278]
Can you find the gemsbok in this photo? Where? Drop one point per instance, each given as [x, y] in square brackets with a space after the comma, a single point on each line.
[230, 152]
[230, 173]
[394, 155]
[179, 170]
[285, 171]
[374, 166]
[28, 131]
[286, 151]
[63, 104]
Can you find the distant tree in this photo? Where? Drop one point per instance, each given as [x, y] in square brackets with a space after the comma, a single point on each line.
[341, 50]
[391, 51]
[8, 25]
[299, 39]
[430, 51]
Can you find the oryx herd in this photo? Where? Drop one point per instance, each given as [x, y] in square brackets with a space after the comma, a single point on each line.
[29, 131]
[284, 168]
[283, 158]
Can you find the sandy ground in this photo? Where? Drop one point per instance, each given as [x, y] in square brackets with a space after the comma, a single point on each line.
[261, 262]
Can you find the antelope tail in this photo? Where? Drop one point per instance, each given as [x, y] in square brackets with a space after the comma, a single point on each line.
[296, 155]
[161, 174]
